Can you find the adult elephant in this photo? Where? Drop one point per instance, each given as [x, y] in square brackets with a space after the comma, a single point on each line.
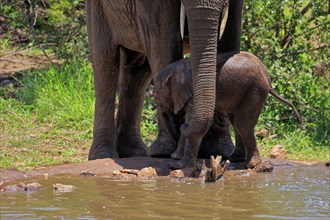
[130, 41]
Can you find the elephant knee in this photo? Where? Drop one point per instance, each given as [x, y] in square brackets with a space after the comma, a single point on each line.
[184, 129]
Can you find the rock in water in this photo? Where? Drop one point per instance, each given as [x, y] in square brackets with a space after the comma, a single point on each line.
[176, 174]
[278, 152]
[147, 172]
[264, 167]
[32, 186]
[59, 187]
[23, 187]
[87, 173]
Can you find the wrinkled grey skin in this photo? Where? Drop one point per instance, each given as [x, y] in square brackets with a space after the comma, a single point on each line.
[242, 88]
[130, 41]
[203, 20]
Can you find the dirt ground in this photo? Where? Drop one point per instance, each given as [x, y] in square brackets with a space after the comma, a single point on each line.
[13, 60]
[16, 61]
[105, 167]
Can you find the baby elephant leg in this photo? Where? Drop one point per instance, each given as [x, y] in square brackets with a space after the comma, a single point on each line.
[239, 154]
[187, 149]
[191, 148]
[179, 153]
[255, 160]
[176, 122]
[244, 132]
[217, 140]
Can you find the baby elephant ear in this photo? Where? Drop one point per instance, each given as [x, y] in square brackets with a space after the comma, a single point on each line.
[181, 91]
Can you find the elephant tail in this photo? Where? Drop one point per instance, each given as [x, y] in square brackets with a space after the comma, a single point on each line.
[285, 101]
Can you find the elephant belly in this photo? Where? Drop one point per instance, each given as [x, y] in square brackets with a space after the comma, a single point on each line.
[122, 20]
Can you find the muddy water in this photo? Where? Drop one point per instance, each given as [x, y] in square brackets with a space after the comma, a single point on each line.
[288, 192]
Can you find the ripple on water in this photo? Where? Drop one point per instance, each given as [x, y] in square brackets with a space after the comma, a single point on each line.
[286, 193]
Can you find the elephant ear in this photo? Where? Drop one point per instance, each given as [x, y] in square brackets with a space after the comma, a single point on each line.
[181, 88]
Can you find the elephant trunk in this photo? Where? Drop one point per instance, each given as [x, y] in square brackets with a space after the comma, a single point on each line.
[203, 19]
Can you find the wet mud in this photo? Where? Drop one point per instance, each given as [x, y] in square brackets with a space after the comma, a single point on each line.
[106, 168]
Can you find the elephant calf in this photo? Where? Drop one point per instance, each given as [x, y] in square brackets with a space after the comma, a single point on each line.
[242, 86]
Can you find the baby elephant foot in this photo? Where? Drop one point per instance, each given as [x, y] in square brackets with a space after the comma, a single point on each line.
[183, 163]
[162, 147]
[255, 160]
[186, 161]
[178, 154]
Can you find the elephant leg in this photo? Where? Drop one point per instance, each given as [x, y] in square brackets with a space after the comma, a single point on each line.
[105, 62]
[191, 143]
[255, 160]
[177, 121]
[238, 157]
[191, 149]
[217, 140]
[105, 80]
[179, 152]
[246, 145]
[167, 138]
[239, 154]
[133, 83]
[164, 48]
[250, 143]
[164, 145]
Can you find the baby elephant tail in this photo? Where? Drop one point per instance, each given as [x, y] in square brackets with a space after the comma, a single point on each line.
[283, 100]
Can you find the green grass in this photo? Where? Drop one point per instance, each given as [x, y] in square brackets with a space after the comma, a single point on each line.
[63, 97]
[299, 145]
[149, 127]
[26, 142]
[4, 45]
[49, 119]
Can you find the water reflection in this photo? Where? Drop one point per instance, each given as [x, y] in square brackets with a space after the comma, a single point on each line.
[286, 193]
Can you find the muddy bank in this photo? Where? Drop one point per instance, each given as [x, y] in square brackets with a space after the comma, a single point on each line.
[105, 167]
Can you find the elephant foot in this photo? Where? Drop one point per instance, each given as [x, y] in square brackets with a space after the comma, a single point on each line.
[131, 149]
[183, 163]
[186, 161]
[178, 154]
[213, 145]
[236, 165]
[101, 152]
[163, 147]
[239, 155]
[255, 160]
[217, 141]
